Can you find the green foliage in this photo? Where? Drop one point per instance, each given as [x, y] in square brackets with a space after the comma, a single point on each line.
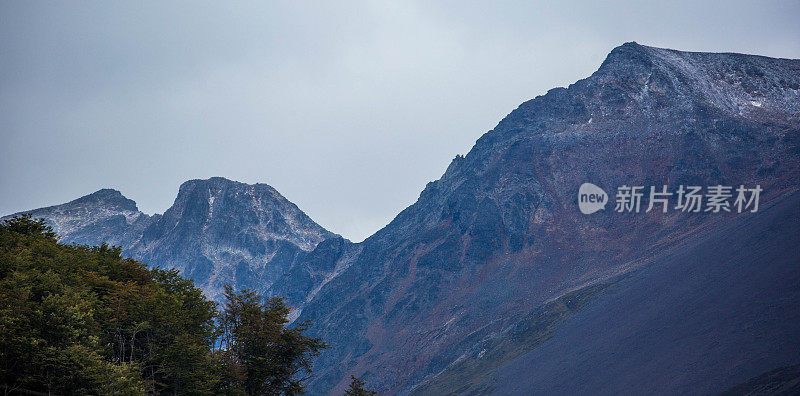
[25, 224]
[264, 356]
[83, 320]
[356, 388]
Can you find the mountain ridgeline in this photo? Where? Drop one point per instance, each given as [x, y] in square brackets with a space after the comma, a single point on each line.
[495, 271]
[217, 231]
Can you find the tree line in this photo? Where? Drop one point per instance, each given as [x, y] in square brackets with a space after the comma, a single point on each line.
[83, 320]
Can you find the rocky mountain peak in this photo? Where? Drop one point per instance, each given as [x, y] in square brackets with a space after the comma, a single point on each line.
[220, 187]
[221, 231]
[108, 198]
[218, 204]
[735, 83]
[626, 53]
[104, 216]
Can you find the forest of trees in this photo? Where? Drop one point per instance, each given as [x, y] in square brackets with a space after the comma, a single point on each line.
[84, 320]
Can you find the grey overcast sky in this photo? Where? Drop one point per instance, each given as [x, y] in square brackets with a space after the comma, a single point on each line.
[347, 108]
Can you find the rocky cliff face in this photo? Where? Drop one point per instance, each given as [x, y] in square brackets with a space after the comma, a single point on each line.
[217, 231]
[500, 234]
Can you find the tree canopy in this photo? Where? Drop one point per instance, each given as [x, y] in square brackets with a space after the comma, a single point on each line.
[357, 388]
[80, 319]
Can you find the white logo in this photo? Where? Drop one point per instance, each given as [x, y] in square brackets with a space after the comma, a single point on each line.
[717, 199]
[591, 198]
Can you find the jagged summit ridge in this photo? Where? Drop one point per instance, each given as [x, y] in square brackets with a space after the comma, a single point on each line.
[219, 199]
[734, 82]
[109, 198]
[641, 81]
[219, 231]
[105, 216]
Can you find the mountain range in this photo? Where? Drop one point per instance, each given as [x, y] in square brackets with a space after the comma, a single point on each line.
[495, 282]
[216, 232]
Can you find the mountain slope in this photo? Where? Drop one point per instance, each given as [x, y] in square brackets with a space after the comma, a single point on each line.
[500, 233]
[702, 317]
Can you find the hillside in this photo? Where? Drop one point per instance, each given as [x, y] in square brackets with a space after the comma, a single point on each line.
[500, 234]
[715, 311]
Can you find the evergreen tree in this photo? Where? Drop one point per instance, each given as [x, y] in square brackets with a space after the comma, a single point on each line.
[356, 388]
[266, 357]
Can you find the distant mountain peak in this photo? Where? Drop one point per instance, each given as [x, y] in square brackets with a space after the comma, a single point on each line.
[216, 201]
[735, 83]
[104, 216]
[218, 185]
[108, 197]
[625, 53]
[216, 181]
[222, 231]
